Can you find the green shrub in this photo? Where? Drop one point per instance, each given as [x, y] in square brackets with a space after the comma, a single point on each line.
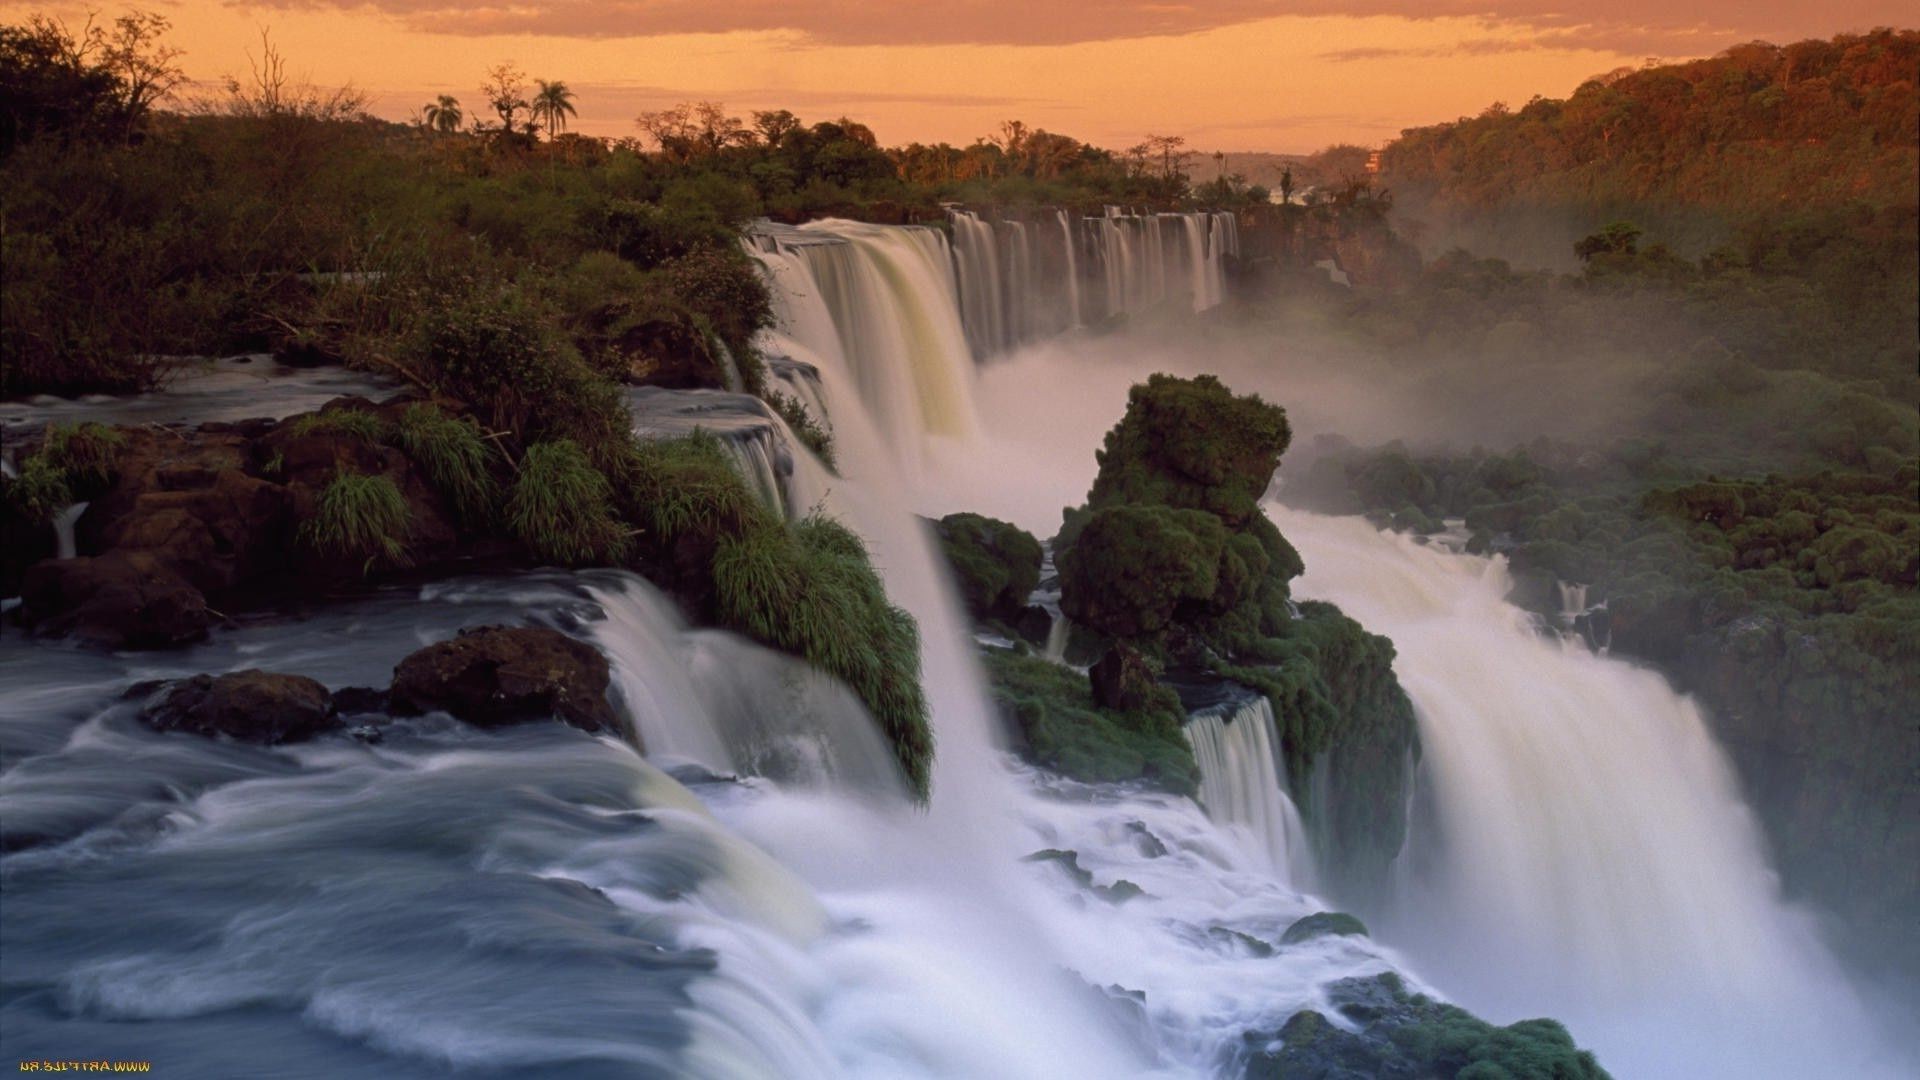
[561, 507]
[456, 457]
[996, 564]
[1133, 566]
[804, 427]
[809, 588]
[361, 517]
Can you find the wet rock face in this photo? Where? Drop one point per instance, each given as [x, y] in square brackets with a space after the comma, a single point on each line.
[123, 600]
[249, 706]
[496, 675]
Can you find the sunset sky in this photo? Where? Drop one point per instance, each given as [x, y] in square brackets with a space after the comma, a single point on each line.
[1283, 75]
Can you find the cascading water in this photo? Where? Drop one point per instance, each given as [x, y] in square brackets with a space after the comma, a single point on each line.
[1238, 751]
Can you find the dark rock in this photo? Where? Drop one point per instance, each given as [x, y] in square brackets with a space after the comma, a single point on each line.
[359, 700]
[497, 675]
[120, 601]
[249, 706]
[1237, 940]
[1035, 625]
[1145, 842]
[1122, 679]
[1119, 892]
[1322, 924]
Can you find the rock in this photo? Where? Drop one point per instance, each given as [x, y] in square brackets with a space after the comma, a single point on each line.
[122, 600]
[1122, 679]
[495, 675]
[1119, 892]
[249, 706]
[1323, 924]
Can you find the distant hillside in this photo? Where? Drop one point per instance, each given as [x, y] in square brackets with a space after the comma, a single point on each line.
[1757, 126]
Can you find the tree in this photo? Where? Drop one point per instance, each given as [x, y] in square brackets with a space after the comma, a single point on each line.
[773, 126]
[443, 115]
[552, 104]
[47, 87]
[693, 129]
[1172, 152]
[146, 68]
[1286, 184]
[1618, 238]
[506, 94]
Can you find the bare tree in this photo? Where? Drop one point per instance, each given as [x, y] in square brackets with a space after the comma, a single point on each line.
[272, 93]
[506, 94]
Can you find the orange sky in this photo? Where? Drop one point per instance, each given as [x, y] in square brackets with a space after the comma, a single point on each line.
[1288, 75]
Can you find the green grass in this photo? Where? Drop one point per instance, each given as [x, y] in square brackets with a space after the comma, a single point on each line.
[364, 425]
[676, 486]
[456, 457]
[561, 507]
[360, 517]
[1067, 733]
[810, 589]
[86, 453]
[40, 491]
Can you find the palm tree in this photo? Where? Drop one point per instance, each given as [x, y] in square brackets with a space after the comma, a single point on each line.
[443, 115]
[552, 104]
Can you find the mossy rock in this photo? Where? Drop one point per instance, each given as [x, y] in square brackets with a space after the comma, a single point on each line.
[995, 564]
[1057, 725]
[1323, 924]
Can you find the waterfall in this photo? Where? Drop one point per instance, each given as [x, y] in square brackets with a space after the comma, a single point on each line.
[982, 301]
[63, 523]
[749, 432]
[1238, 750]
[1587, 853]
[1073, 269]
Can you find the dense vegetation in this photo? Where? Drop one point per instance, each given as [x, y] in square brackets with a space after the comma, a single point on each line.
[1173, 562]
[1757, 130]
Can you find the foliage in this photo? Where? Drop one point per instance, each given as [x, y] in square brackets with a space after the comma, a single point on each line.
[561, 507]
[456, 457]
[1758, 126]
[1133, 567]
[810, 432]
[809, 588]
[360, 517]
[996, 564]
[85, 453]
[1052, 707]
[40, 492]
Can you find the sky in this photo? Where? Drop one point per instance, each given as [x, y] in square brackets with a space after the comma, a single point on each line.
[1236, 75]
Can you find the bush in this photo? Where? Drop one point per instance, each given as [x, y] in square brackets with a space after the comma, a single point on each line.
[360, 517]
[85, 453]
[40, 492]
[561, 507]
[996, 564]
[1132, 567]
[357, 423]
[456, 457]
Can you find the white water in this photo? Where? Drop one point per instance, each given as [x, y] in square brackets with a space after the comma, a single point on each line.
[1583, 852]
[1238, 752]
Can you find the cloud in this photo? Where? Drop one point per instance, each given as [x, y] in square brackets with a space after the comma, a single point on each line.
[1626, 26]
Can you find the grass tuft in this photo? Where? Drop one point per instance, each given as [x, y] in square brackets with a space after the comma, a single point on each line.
[85, 453]
[360, 517]
[677, 486]
[809, 588]
[562, 507]
[40, 492]
[455, 456]
[356, 422]
[804, 427]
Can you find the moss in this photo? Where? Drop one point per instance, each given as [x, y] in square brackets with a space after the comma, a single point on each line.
[1063, 730]
[360, 517]
[561, 507]
[1323, 924]
[809, 588]
[456, 457]
[1192, 444]
[1389, 1031]
[995, 564]
[1132, 567]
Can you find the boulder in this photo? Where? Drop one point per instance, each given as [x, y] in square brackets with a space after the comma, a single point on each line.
[1323, 924]
[122, 600]
[249, 706]
[496, 675]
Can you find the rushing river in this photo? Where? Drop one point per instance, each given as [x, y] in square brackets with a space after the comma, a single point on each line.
[755, 897]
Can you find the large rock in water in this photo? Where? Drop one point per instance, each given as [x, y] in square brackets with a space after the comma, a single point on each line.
[495, 675]
[996, 564]
[123, 600]
[250, 706]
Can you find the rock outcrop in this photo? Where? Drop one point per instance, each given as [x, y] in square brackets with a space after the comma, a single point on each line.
[248, 706]
[495, 675]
